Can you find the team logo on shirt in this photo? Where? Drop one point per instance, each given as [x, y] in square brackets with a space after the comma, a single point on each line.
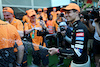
[79, 34]
[80, 38]
[80, 50]
[79, 30]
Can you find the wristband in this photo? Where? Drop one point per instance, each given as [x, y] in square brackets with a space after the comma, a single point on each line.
[18, 64]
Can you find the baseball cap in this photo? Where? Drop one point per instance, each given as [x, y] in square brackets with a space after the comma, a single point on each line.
[31, 12]
[8, 9]
[45, 9]
[39, 9]
[72, 6]
[62, 24]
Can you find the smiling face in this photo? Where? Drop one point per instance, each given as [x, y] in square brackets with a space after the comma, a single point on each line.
[33, 18]
[8, 16]
[70, 15]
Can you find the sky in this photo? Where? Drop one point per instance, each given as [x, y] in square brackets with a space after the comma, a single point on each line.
[59, 2]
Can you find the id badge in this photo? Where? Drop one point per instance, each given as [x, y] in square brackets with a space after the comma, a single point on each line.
[33, 34]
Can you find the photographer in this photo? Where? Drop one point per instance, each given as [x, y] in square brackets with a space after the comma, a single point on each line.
[63, 43]
[60, 17]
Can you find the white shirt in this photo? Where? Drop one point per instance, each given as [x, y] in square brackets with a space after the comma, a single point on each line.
[96, 36]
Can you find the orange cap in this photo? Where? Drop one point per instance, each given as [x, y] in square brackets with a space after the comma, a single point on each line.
[39, 9]
[28, 10]
[54, 7]
[31, 12]
[72, 6]
[45, 9]
[58, 12]
[8, 9]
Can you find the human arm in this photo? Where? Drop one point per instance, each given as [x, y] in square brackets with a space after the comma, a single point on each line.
[20, 28]
[20, 54]
[98, 28]
[68, 51]
[20, 48]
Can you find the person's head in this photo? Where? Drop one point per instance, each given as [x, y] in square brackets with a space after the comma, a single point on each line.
[32, 15]
[54, 9]
[58, 13]
[8, 13]
[72, 12]
[45, 10]
[50, 17]
[39, 11]
[63, 26]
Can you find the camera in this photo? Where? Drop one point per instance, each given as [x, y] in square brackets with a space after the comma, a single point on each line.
[62, 15]
[94, 13]
[41, 18]
[62, 28]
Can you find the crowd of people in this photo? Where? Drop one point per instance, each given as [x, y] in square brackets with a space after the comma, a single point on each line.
[68, 31]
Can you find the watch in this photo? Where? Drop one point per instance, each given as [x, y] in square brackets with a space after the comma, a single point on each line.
[18, 64]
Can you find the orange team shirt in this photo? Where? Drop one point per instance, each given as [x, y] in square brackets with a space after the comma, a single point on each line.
[37, 39]
[52, 25]
[54, 15]
[44, 15]
[26, 19]
[8, 36]
[18, 24]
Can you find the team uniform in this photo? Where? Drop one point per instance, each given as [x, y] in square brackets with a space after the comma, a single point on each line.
[38, 54]
[18, 24]
[8, 37]
[79, 45]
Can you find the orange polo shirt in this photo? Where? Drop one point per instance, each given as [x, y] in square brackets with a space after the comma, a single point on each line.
[37, 39]
[18, 24]
[54, 15]
[52, 25]
[44, 15]
[26, 18]
[8, 35]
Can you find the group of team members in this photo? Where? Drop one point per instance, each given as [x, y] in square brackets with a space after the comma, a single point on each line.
[32, 24]
[14, 30]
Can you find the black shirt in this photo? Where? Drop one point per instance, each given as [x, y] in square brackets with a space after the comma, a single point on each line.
[79, 38]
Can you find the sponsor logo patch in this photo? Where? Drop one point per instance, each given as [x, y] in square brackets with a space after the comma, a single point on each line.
[80, 50]
[80, 34]
[80, 38]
